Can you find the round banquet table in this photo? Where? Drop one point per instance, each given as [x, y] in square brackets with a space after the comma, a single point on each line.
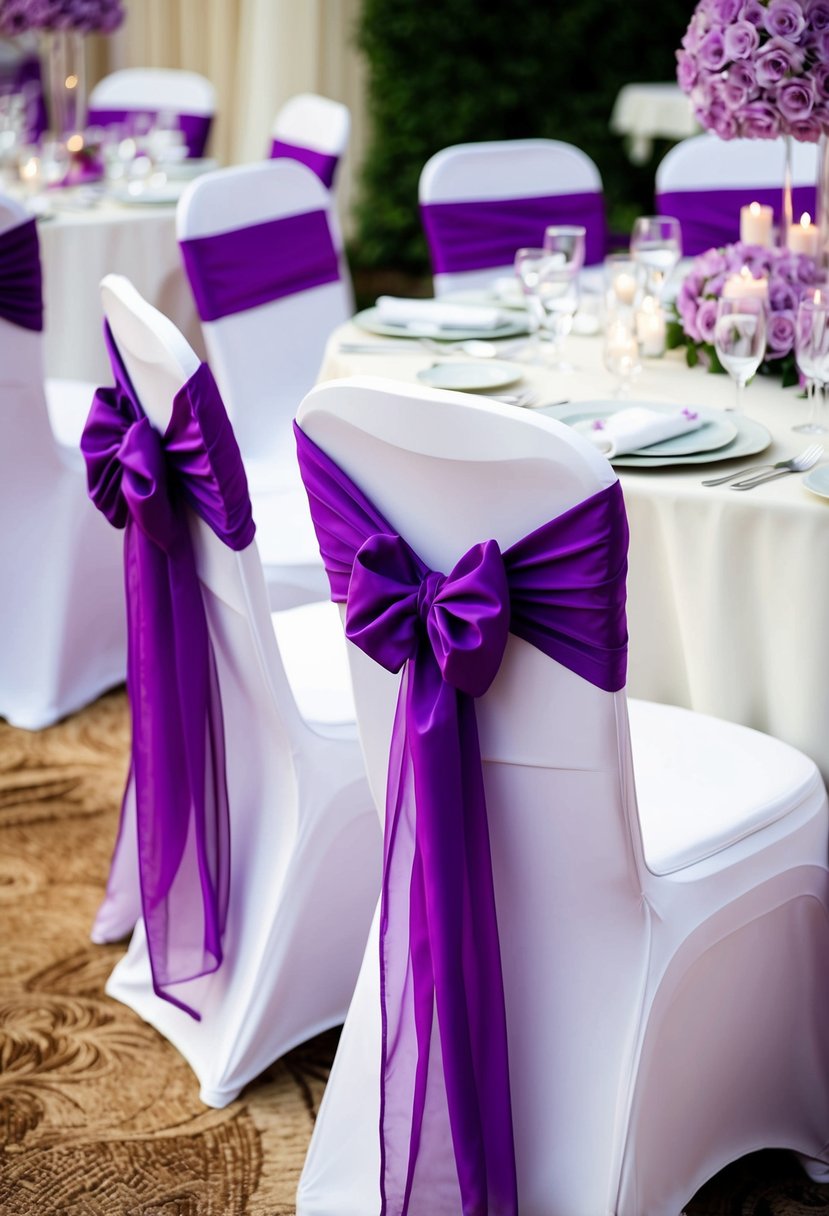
[645, 112]
[728, 592]
[78, 246]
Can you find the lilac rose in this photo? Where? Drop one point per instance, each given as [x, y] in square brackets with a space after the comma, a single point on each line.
[805, 130]
[725, 12]
[782, 296]
[755, 13]
[780, 334]
[785, 19]
[796, 98]
[707, 320]
[711, 54]
[686, 71]
[741, 40]
[776, 60]
[817, 14]
[760, 121]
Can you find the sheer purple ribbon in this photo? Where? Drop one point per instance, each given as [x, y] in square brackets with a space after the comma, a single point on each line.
[21, 283]
[194, 127]
[710, 218]
[479, 233]
[231, 272]
[562, 588]
[142, 481]
[324, 164]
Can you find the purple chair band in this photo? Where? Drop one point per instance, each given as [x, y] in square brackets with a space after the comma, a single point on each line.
[234, 271]
[194, 127]
[143, 481]
[562, 588]
[711, 218]
[322, 163]
[483, 233]
[21, 283]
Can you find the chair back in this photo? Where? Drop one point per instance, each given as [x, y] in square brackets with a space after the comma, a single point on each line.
[130, 92]
[704, 181]
[313, 130]
[263, 251]
[29, 460]
[263, 726]
[481, 202]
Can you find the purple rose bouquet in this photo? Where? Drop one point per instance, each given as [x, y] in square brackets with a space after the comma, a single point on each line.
[78, 16]
[790, 277]
[758, 68]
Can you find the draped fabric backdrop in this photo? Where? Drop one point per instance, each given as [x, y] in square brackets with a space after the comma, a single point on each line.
[257, 53]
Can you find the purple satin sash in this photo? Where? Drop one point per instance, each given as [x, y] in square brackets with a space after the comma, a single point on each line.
[142, 481]
[234, 271]
[711, 218]
[562, 588]
[21, 283]
[322, 163]
[194, 127]
[483, 233]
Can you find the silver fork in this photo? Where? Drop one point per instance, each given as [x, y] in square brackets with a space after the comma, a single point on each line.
[798, 464]
[811, 454]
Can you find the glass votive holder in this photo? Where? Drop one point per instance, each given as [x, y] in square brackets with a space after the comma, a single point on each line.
[621, 351]
[624, 281]
[29, 169]
[650, 328]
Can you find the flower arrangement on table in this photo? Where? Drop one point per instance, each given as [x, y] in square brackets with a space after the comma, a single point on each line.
[788, 278]
[77, 16]
[756, 69]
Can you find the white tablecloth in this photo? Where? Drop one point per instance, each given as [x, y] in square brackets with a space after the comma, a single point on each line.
[78, 247]
[645, 112]
[728, 593]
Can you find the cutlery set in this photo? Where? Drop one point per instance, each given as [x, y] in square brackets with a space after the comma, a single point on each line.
[761, 473]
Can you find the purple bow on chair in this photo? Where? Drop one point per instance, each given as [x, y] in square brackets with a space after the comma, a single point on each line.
[143, 481]
[562, 588]
[21, 287]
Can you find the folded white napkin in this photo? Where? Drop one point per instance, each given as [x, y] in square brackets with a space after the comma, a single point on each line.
[392, 310]
[638, 427]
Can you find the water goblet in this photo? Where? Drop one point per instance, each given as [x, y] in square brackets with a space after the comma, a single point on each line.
[528, 263]
[656, 244]
[740, 339]
[811, 347]
[567, 241]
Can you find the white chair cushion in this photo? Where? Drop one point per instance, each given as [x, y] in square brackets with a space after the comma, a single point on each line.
[703, 784]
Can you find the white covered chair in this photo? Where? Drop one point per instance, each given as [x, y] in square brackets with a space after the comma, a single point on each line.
[123, 95]
[705, 180]
[481, 202]
[313, 130]
[62, 605]
[304, 838]
[663, 940]
[263, 252]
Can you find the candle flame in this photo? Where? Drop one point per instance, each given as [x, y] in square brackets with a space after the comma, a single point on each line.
[71, 82]
[805, 220]
[754, 208]
[74, 143]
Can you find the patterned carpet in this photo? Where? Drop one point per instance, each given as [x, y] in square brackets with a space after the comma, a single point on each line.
[98, 1114]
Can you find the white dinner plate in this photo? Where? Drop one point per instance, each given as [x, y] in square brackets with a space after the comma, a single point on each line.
[368, 319]
[470, 377]
[150, 196]
[817, 480]
[716, 431]
[751, 437]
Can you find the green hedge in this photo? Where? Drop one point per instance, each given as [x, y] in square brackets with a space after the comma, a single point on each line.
[456, 71]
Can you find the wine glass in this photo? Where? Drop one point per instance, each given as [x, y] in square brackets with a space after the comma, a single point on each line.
[740, 339]
[656, 244]
[811, 345]
[567, 241]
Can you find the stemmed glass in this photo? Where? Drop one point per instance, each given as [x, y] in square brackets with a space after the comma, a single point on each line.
[656, 244]
[811, 346]
[549, 281]
[740, 339]
[566, 241]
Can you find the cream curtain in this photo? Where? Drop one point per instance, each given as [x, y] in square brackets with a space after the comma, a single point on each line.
[257, 53]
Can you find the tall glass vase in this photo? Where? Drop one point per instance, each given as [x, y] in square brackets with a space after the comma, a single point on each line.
[786, 214]
[66, 74]
[822, 204]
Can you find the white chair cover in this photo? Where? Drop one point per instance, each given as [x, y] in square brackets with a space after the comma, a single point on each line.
[503, 170]
[663, 944]
[305, 844]
[62, 602]
[156, 88]
[316, 125]
[267, 357]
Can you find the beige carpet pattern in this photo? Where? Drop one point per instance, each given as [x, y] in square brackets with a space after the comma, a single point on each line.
[99, 1116]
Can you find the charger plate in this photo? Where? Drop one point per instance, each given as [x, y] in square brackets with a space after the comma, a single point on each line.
[751, 437]
[369, 320]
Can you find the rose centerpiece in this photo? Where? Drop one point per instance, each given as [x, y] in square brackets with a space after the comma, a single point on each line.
[758, 70]
[789, 277]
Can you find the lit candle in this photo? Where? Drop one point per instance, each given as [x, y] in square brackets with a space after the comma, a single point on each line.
[624, 287]
[804, 237]
[745, 286]
[29, 172]
[756, 224]
[650, 328]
